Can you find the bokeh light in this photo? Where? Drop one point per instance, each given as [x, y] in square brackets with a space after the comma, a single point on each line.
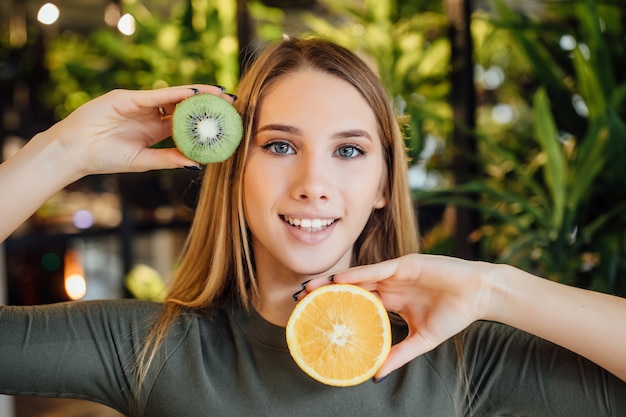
[48, 14]
[82, 219]
[126, 24]
[51, 261]
[74, 275]
[75, 286]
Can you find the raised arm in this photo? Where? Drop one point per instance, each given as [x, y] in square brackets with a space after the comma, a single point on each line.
[439, 296]
[112, 133]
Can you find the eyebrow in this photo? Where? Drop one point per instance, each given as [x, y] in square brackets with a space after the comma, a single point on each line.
[351, 133]
[280, 128]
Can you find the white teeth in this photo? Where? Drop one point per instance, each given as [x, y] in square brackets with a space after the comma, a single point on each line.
[310, 225]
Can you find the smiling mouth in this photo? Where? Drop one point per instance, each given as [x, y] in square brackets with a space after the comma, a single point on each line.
[309, 225]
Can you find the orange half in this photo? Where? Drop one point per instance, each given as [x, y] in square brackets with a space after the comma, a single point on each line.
[339, 334]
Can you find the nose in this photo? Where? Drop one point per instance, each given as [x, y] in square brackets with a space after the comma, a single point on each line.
[311, 179]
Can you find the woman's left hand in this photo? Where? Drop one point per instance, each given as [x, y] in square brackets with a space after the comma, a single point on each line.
[437, 296]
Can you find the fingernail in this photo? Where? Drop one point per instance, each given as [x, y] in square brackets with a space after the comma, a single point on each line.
[379, 380]
[221, 88]
[192, 167]
[304, 284]
[195, 91]
[296, 294]
[233, 96]
[331, 278]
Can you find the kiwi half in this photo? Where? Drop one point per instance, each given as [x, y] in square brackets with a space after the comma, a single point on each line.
[206, 128]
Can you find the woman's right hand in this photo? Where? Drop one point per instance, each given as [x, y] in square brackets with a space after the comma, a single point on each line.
[109, 134]
[114, 132]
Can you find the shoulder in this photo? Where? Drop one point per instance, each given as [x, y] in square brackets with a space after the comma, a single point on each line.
[507, 368]
[487, 356]
[100, 317]
[78, 309]
[129, 310]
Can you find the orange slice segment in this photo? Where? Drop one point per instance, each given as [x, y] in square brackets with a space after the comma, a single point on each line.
[339, 334]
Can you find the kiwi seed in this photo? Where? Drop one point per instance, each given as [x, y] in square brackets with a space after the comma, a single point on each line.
[206, 128]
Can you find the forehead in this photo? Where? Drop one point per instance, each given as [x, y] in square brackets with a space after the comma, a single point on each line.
[310, 94]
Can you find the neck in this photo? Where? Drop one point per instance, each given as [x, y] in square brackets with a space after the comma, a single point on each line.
[275, 311]
[275, 298]
[277, 284]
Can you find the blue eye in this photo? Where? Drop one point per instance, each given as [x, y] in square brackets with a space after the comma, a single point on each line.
[278, 147]
[349, 151]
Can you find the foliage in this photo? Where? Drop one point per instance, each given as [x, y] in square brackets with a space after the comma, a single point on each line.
[408, 46]
[554, 198]
[197, 43]
[552, 190]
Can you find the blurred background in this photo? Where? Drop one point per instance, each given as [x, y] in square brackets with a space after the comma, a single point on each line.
[513, 112]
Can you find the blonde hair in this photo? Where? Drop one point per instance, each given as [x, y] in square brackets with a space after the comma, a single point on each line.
[217, 265]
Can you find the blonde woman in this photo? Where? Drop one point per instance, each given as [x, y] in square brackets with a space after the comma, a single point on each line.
[316, 192]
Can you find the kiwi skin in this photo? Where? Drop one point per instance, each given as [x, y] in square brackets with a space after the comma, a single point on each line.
[206, 128]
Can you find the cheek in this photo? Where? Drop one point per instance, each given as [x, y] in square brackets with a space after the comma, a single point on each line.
[259, 190]
[249, 188]
[371, 189]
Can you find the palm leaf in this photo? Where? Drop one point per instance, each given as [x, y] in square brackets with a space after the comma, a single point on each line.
[555, 170]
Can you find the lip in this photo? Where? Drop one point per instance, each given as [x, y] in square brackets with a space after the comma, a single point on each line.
[320, 227]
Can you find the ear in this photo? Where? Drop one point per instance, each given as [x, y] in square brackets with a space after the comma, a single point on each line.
[381, 196]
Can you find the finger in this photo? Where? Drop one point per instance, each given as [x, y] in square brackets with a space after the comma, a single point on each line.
[169, 96]
[402, 353]
[365, 276]
[313, 284]
[167, 110]
[231, 98]
[316, 283]
[167, 158]
[367, 273]
[204, 89]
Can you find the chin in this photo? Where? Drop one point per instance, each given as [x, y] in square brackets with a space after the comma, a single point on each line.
[315, 267]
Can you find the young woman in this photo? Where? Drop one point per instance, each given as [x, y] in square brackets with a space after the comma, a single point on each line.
[317, 189]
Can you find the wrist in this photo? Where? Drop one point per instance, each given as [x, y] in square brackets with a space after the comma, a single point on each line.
[51, 160]
[496, 290]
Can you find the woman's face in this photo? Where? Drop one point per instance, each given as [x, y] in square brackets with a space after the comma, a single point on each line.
[313, 175]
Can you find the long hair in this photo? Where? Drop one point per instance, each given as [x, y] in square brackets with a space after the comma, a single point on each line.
[217, 264]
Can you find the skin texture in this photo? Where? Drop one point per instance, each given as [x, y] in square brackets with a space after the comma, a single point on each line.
[316, 154]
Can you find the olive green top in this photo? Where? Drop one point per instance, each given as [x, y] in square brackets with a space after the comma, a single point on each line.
[233, 363]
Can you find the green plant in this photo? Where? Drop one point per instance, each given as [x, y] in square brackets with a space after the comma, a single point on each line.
[407, 44]
[554, 197]
[197, 43]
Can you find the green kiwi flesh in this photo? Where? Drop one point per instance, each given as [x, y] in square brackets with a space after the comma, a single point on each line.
[206, 128]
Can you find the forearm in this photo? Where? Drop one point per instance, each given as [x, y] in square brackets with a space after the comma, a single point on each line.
[29, 178]
[589, 323]
[110, 134]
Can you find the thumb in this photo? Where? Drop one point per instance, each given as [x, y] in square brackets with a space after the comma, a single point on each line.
[165, 158]
[402, 353]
